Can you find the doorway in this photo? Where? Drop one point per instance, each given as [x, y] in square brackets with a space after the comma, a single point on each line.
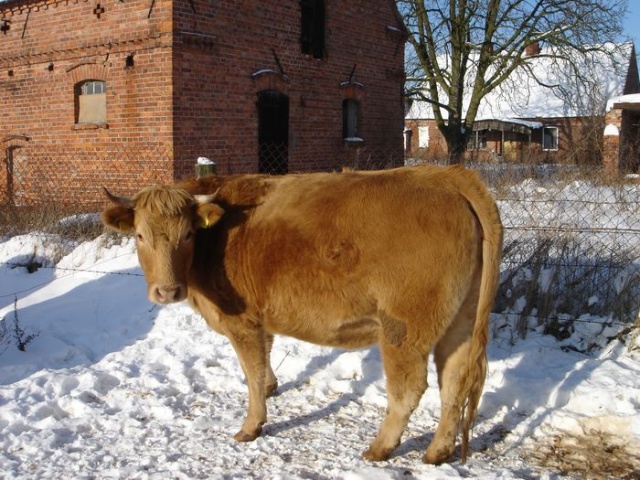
[273, 132]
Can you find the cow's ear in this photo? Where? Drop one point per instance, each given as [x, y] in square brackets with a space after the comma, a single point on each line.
[119, 218]
[208, 214]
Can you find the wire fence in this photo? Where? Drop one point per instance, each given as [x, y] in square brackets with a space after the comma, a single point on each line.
[34, 175]
[74, 177]
[572, 238]
[571, 259]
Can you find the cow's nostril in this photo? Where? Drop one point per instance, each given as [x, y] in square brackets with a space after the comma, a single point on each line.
[167, 294]
[176, 293]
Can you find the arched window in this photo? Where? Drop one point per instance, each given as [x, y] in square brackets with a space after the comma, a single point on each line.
[91, 102]
[273, 132]
[350, 119]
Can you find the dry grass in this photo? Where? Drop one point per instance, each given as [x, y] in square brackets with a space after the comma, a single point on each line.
[593, 455]
[72, 223]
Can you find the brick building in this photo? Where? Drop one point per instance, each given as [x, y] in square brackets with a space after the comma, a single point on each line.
[622, 134]
[523, 120]
[123, 93]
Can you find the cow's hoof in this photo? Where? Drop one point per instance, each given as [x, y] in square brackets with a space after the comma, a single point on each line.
[376, 455]
[271, 389]
[243, 436]
[437, 456]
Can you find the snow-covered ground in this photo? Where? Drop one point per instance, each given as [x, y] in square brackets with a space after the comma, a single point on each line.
[111, 386]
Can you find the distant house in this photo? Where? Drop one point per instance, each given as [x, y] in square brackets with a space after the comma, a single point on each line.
[622, 134]
[124, 93]
[525, 121]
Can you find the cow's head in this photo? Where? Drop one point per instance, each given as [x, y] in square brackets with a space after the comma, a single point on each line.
[164, 221]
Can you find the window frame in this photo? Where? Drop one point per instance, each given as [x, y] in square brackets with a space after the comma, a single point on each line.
[478, 141]
[554, 136]
[351, 117]
[90, 102]
[424, 136]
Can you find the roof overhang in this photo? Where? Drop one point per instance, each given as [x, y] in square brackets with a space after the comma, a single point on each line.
[625, 102]
[507, 125]
[634, 107]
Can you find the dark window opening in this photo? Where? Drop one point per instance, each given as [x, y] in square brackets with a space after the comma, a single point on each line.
[273, 132]
[350, 119]
[550, 138]
[313, 28]
[478, 140]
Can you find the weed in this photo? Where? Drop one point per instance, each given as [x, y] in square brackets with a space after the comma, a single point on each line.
[17, 334]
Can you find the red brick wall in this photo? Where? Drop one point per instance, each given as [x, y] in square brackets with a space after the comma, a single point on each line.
[190, 91]
[216, 94]
[49, 47]
[437, 147]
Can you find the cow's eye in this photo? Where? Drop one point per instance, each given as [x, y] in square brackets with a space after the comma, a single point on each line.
[139, 237]
[189, 235]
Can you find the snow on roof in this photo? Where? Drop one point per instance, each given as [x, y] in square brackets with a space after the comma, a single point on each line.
[500, 122]
[525, 123]
[522, 96]
[633, 98]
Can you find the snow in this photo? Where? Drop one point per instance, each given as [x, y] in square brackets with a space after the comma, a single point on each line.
[205, 161]
[525, 123]
[112, 386]
[264, 71]
[632, 98]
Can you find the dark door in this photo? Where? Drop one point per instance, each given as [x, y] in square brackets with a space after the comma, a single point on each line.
[273, 132]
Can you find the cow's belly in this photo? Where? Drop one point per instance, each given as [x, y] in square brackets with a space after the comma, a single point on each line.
[346, 333]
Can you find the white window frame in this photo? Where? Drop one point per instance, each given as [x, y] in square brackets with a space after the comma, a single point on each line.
[554, 133]
[91, 98]
[423, 136]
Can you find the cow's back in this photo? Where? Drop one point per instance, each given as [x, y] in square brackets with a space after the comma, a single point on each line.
[327, 257]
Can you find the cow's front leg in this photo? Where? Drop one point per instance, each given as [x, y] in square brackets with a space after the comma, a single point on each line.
[250, 345]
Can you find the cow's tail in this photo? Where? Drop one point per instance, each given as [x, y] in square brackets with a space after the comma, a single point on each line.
[484, 206]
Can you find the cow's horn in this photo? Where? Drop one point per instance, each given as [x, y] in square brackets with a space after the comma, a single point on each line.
[202, 199]
[123, 201]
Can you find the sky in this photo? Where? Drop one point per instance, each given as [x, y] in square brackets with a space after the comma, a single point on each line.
[631, 23]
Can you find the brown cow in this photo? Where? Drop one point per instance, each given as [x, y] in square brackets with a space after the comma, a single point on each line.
[407, 259]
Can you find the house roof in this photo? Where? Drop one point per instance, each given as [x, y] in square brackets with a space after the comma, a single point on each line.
[521, 96]
[507, 125]
[627, 102]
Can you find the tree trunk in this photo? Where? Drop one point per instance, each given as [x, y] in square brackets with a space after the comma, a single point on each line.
[456, 155]
[457, 138]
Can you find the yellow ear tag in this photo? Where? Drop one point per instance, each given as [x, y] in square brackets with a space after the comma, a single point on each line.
[205, 223]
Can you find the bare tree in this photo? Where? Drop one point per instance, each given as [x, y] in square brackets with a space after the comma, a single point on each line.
[465, 49]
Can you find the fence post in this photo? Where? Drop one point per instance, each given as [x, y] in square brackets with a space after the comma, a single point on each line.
[205, 167]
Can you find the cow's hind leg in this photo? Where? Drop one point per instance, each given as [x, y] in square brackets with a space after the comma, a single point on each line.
[406, 371]
[271, 382]
[451, 358]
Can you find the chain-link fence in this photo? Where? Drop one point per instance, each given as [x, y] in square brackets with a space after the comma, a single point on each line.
[571, 251]
[74, 177]
[277, 158]
[572, 238]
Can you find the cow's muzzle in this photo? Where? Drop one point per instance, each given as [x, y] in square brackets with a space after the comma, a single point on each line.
[164, 294]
